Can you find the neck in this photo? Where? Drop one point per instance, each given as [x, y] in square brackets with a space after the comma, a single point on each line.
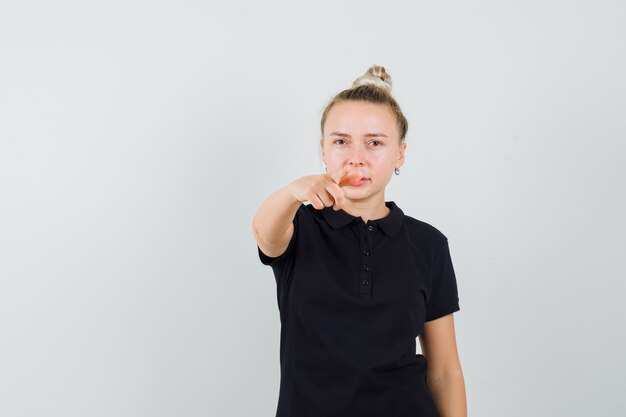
[367, 209]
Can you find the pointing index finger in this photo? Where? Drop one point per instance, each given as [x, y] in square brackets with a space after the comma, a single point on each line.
[337, 176]
[343, 177]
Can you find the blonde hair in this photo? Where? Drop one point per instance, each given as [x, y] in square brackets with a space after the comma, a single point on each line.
[375, 87]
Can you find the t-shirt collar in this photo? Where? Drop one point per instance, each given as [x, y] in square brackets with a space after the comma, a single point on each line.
[389, 224]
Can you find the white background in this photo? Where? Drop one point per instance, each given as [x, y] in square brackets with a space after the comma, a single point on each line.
[138, 138]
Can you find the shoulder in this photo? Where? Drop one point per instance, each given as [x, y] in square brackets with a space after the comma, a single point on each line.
[424, 229]
[423, 235]
[306, 218]
[306, 211]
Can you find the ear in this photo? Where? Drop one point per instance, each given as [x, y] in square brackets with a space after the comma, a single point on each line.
[401, 155]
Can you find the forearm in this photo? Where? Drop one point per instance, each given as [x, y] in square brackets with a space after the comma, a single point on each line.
[448, 391]
[274, 216]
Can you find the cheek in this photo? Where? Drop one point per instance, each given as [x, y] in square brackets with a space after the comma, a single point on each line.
[381, 160]
[337, 154]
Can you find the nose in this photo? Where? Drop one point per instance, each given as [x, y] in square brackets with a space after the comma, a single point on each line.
[356, 156]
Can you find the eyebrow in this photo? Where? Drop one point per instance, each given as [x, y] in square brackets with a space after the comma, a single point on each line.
[375, 134]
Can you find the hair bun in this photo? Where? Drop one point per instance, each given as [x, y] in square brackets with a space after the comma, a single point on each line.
[375, 76]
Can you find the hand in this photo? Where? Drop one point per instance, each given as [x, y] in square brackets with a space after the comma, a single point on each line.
[324, 190]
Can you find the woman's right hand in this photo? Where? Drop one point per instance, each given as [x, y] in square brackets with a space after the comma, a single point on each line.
[323, 190]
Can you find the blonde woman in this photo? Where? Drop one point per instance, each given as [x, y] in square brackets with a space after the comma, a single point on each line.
[357, 279]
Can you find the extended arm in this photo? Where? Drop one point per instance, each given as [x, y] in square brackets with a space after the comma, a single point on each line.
[272, 225]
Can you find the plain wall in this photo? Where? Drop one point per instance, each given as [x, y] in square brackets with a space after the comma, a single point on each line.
[138, 139]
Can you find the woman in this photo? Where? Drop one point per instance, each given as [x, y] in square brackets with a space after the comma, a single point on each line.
[358, 280]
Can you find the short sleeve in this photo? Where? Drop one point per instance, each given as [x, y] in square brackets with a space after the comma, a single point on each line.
[278, 260]
[444, 298]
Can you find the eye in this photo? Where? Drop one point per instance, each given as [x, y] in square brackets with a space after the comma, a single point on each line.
[377, 141]
[339, 140]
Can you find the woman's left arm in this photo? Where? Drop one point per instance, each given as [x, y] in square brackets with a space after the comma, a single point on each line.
[445, 377]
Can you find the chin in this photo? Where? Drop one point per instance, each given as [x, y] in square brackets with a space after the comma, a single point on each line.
[358, 194]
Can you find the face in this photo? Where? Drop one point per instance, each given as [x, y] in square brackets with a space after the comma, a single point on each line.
[364, 136]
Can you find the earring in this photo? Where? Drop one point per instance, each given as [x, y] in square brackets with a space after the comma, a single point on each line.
[397, 171]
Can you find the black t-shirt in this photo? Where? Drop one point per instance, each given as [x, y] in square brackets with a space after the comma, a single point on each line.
[353, 297]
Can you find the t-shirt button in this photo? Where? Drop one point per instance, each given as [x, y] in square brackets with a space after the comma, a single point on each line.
[370, 227]
[366, 253]
[367, 268]
[365, 282]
